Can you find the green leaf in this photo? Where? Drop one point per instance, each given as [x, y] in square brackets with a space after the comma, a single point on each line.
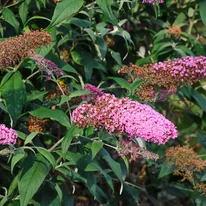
[13, 185]
[37, 17]
[19, 154]
[56, 115]
[62, 64]
[47, 155]
[165, 170]
[180, 19]
[96, 191]
[79, 22]
[182, 53]
[21, 135]
[14, 93]
[23, 10]
[32, 175]
[115, 166]
[35, 95]
[64, 98]
[96, 167]
[202, 6]
[30, 137]
[65, 10]
[3, 107]
[6, 78]
[71, 133]
[116, 56]
[135, 85]
[10, 18]
[105, 5]
[84, 58]
[200, 100]
[79, 93]
[96, 147]
[102, 47]
[202, 137]
[122, 82]
[91, 34]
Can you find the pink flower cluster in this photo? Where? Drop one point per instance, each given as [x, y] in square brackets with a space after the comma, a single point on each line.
[45, 65]
[124, 116]
[186, 69]
[152, 1]
[95, 92]
[164, 78]
[7, 136]
[130, 148]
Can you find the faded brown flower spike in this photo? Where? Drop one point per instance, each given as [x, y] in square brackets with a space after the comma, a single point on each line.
[15, 49]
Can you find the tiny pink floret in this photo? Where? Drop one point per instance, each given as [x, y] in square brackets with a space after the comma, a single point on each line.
[7, 135]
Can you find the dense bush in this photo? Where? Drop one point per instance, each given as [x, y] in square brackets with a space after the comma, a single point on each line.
[102, 102]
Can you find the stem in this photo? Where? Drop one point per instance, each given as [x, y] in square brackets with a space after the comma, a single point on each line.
[55, 80]
[17, 67]
[135, 186]
[192, 20]
[108, 145]
[55, 145]
[36, 72]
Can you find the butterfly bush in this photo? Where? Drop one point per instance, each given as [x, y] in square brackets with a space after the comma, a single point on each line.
[135, 152]
[45, 65]
[152, 1]
[15, 49]
[126, 117]
[164, 78]
[7, 135]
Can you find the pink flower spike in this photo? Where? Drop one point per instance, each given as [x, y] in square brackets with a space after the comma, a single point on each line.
[125, 117]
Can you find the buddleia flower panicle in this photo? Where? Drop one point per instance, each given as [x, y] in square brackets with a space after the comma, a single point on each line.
[131, 149]
[174, 30]
[15, 49]
[36, 124]
[45, 65]
[186, 163]
[152, 1]
[124, 116]
[7, 135]
[95, 92]
[164, 78]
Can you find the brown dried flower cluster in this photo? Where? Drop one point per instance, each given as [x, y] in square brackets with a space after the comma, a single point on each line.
[64, 88]
[36, 124]
[63, 91]
[15, 49]
[186, 163]
[131, 149]
[174, 31]
[164, 78]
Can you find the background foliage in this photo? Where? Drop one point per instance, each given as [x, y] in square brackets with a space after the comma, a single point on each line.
[61, 164]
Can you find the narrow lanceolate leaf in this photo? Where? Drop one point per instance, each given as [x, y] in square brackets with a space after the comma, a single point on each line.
[47, 155]
[65, 10]
[14, 93]
[32, 175]
[202, 6]
[115, 166]
[19, 154]
[30, 137]
[106, 7]
[96, 147]
[10, 18]
[122, 82]
[56, 115]
[70, 134]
